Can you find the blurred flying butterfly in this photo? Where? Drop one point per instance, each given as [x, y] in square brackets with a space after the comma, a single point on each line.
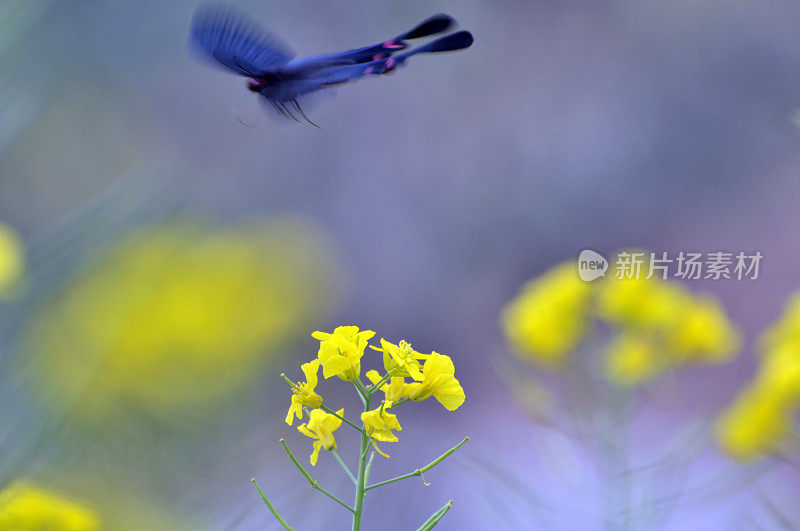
[242, 46]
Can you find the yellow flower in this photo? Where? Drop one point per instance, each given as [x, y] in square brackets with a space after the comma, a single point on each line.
[341, 351]
[401, 358]
[633, 359]
[786, 328]
[761, 419]
[394, 390]
[549, 317]
[640, 303]
[758, 423]
[304, 394]
[662, 325]
[321, 426]
[379, 423]
[438, 381]
[24, 507]
[11, 261]
[176, 320]
[780, 373]
[703, 332]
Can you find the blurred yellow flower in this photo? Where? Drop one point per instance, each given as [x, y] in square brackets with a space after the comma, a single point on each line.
[304, 394]
[321, 426]
[550, 316]
[401, 358]
[24, 507]
[379, 423]
[633, 359]
[786, 328]
[654, 324]
[761, 419]
[177, 318]
[640, 303]
[756, 424]
[11, 258]
[703, 332]
[341, 351]
[779, 373]
[438, 381]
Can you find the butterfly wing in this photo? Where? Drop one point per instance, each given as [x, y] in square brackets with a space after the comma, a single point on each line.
[236, 42]
[430, 26]
[343, 74]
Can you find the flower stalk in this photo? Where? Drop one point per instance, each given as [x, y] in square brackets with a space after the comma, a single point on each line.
[340, 354]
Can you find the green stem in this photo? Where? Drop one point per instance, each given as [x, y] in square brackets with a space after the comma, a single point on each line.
[362, 392]
[311, 481]
[369, 467]
[422, 470]
[403, 401]
[283, 375]
[271, 507]
[362, 473]
[377, 387]
[344, 466]
[435, 517]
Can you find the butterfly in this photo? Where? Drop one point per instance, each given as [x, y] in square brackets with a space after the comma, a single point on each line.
[237, 43]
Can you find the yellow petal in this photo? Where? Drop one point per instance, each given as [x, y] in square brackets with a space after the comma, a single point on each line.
[305, 431]
[310, 370]
[335, 365]
[379, 450]
[438, 364]
[294, 409]
[315, 453]
[448, 391]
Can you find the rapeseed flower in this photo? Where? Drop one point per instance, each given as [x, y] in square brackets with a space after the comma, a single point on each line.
[340, 352]
[653, 325]
[24, 507]
[703, 332]
[379, 423]
[394, 390]
[304, 394]
[757, 423]
[761, 420]
[549, 317]
[439, 382]
[633, 359]
[321, 426]
[401, 359]
[173, 321]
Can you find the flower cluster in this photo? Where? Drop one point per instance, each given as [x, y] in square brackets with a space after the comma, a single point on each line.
[150, 323]
[407, 376]
[761, 419]
[656, 324]
[340, 354]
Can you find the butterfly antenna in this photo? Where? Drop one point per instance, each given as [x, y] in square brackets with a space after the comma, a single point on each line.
[289, 112]
[296, 105]
[237, 112]
[281, 110]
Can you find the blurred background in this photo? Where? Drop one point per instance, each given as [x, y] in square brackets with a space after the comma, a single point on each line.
[172, 261]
